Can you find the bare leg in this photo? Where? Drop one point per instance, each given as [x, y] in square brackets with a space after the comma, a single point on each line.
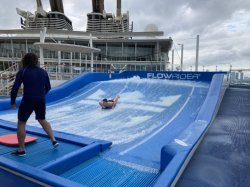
[115, 99]
[47, 128]
[21, 134]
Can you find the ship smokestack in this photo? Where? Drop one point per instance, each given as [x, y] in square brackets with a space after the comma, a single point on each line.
[118, 9]
[39, 4]
[40, 10]
[56, 6]
[98, 6]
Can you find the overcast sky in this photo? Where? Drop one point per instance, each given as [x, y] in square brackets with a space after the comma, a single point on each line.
[223, 25]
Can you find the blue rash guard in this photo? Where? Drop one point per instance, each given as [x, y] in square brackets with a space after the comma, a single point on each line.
[36, 83]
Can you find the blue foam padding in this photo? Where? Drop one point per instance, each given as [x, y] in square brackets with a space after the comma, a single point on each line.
[101, 172]
[38, 175]
[223, 156]
[84, 79]
[173, 155]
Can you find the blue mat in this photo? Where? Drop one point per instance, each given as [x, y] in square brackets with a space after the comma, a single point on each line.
[106, 173]
[223, 158]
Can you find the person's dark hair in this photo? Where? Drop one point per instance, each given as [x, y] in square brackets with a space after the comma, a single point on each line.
[105, 100]
[29, 60]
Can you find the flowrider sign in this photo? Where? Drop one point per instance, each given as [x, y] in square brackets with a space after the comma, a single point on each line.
[178, 76]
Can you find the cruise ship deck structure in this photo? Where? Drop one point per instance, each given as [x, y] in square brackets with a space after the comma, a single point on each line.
[169, 128]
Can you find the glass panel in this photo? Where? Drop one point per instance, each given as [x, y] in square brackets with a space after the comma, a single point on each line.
[129, 51]
[145, 52]
[115, 51]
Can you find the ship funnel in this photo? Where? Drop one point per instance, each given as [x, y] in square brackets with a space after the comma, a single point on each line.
[56, 6]
[40, 10]
[98, 6]
[118, 9]
[39, 4]
[23, 13]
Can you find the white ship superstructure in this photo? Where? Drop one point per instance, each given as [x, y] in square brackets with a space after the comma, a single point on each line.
[118, 47]
[55, 19]
[101, 21]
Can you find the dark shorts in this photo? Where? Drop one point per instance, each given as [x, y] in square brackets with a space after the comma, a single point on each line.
[106, 107]
[28, 105]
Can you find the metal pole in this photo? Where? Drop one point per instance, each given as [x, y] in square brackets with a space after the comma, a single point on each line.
[172, 67]
[92, 54]
[12, 49]
[166, 62]
[42, 39]
[59, 60]
[182, 46]
[197, 53]
[230, 74]
[80, 55]
[71, 64]
[86, 65]
[26, 46]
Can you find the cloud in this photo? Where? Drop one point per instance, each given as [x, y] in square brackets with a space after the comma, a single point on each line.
[223, 26]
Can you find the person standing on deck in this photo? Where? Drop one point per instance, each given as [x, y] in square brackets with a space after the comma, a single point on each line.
[36, 85]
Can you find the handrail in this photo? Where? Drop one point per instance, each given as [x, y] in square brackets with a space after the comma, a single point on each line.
[9, 69]
[7, 79]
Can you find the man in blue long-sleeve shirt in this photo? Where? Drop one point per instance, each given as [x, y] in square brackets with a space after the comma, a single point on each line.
[36, 85]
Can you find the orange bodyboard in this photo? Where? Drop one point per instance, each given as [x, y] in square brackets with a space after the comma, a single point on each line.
[11, 139]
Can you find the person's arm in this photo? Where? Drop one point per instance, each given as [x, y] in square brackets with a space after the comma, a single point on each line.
[15, 88]
[47, 84]
[101, 104]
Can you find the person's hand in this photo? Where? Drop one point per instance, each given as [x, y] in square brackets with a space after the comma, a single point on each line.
[13, 106]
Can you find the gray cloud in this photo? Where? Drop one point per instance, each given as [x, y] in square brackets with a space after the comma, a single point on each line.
[223, 26]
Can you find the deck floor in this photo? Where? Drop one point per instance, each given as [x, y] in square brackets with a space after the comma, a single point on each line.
[39, 152]
[223, 157]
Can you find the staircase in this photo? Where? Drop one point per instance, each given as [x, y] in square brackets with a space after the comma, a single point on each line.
[7, 78]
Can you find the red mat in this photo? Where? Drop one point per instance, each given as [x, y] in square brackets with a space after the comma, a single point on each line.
[11, 139]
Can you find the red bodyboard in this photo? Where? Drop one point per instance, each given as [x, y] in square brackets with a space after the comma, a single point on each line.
[11, 139]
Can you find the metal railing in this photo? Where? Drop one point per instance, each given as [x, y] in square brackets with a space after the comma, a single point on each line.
[67, 70]
[240, 78]
[7, 78]
[55, 23]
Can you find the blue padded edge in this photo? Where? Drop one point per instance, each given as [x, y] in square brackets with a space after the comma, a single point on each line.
[83, 79]
[63, 90]
[171, 75]
[174, 155]
[37, 174]
[66, 137]
[91, 148]
[71, 160]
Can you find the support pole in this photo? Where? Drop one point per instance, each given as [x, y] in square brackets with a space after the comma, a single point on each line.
[80, 55]
[166, 62]
[197, 53]
[86, 65]
[182, 46]
[92, 54]
[71, 64]
[59, 60]
[42, 39]
[172, 67]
